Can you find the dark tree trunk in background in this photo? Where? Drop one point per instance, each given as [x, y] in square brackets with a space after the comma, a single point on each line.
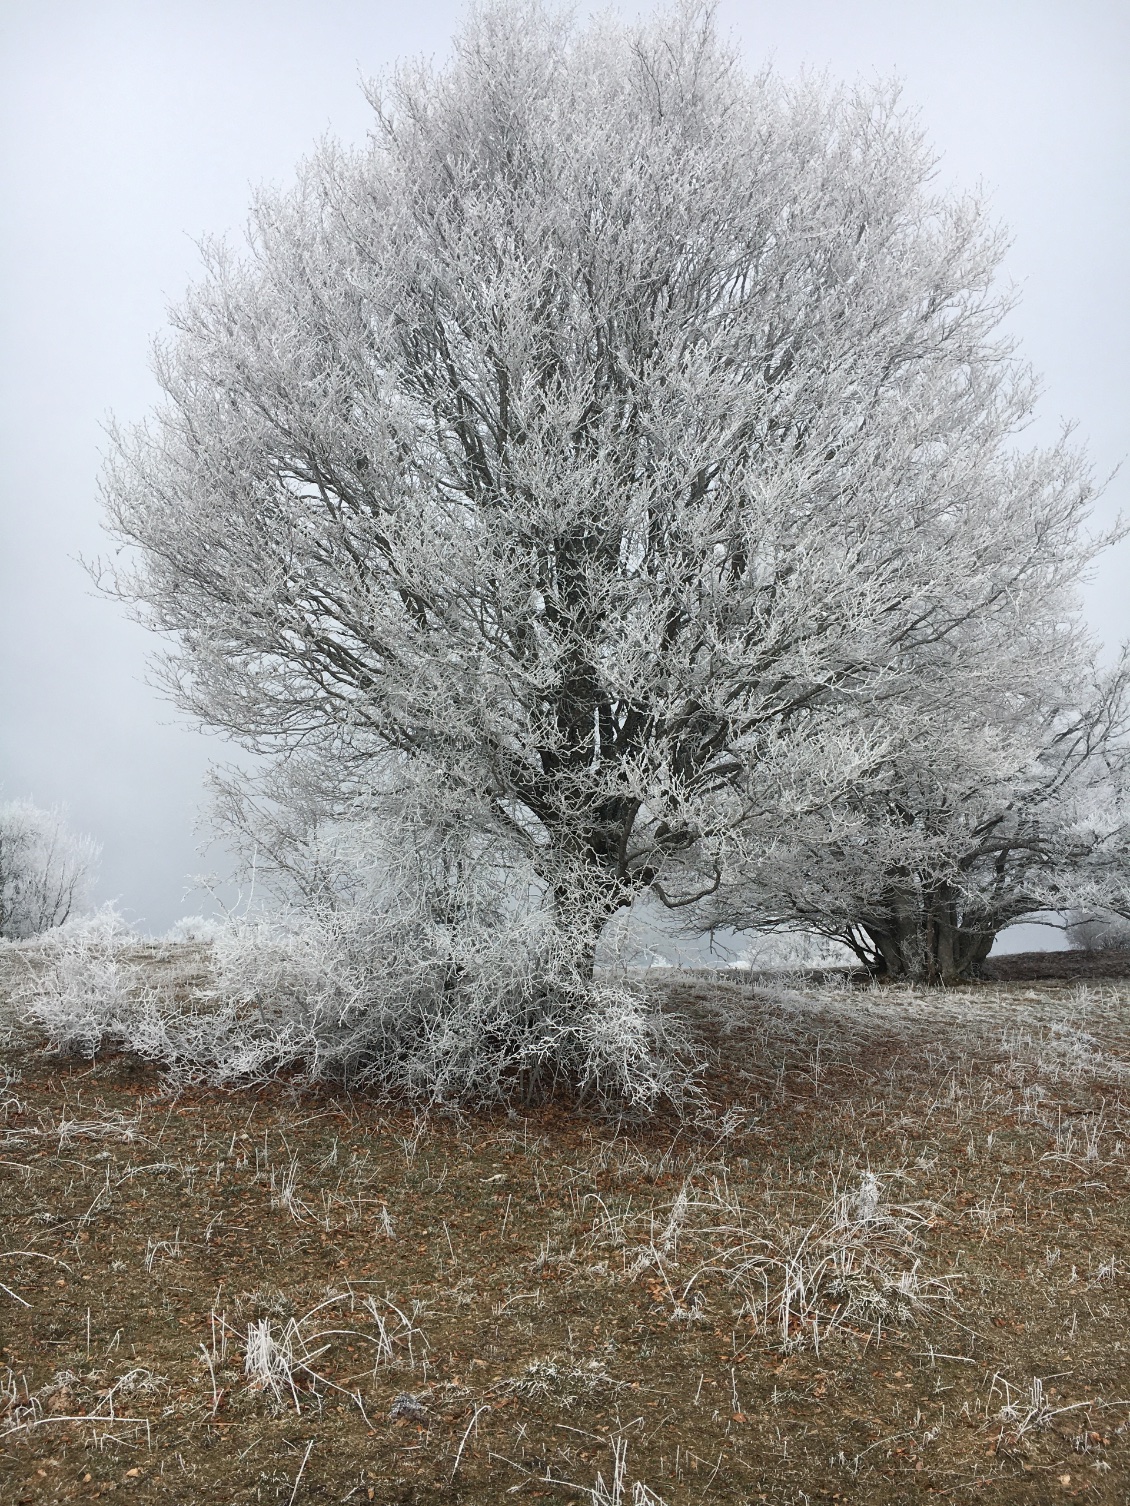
[924, 937]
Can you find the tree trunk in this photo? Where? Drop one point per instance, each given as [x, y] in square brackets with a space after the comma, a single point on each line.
[582, 909]
[588, 886]
[924, 938]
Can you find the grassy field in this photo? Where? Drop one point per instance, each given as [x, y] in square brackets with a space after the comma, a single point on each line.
[886, 1258]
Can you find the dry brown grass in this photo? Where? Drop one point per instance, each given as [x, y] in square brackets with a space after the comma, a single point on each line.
[888, 1261]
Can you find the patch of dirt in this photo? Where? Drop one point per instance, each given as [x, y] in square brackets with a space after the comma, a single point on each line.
[886, 1261]
[1071, 966]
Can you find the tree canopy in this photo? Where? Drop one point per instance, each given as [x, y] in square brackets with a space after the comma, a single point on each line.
[618, 437]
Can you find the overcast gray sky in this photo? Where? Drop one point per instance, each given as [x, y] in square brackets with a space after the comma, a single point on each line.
[129, 128]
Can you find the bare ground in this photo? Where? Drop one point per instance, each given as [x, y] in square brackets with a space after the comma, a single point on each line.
[886, 1258]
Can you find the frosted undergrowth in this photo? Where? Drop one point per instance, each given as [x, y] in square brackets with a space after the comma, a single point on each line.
[1087, 1041]
[379, 999]
[390, 999]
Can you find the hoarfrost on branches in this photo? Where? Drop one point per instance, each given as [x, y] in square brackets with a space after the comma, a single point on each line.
[1008, 803]
[45, 870]
[617, 438]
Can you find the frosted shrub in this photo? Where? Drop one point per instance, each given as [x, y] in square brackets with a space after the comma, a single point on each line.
[79, 990]
[408, 947]
[202, 928]
[380, 995]
[414, 950]
[395, 1002]
[1099, 932]
[90, 986]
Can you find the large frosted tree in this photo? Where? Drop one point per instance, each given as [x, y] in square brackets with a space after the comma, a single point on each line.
[603, 439]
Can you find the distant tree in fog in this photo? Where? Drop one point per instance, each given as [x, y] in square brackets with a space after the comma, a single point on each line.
[988, 810]
[45, 870]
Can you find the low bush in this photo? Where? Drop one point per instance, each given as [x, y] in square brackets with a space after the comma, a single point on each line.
[381, 998]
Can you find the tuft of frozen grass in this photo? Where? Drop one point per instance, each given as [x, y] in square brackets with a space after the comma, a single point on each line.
[1023, 1411]
[561, 1381]
[280, 1355]
[271, 1357]
[170, 1249]
[398, 1341]
[854, 1266]
[866, 1202]
[284, 1191]
[669, 1239]
[616, 1492]
[1027, 1409]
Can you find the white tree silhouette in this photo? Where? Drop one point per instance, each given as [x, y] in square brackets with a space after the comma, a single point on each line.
[45, 870]
[608, 440]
